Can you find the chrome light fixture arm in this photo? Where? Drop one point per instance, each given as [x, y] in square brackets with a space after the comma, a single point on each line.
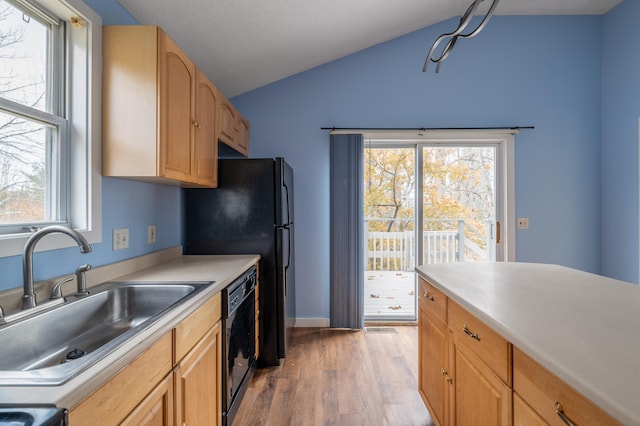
[453, 36]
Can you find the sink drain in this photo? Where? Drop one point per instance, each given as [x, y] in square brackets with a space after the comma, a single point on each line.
[75, 354]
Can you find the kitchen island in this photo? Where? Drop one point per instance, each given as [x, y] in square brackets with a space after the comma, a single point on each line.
[582, 328]
[180, 329]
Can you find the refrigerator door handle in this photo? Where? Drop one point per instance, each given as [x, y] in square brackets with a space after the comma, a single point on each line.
[288, 250]
[286, 190]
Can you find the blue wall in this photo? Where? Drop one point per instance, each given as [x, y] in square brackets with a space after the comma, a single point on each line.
[125, 204]
[541, 71]
[573, 78]
[620, 112]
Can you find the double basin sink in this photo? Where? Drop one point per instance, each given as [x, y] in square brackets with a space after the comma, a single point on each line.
[53, 346]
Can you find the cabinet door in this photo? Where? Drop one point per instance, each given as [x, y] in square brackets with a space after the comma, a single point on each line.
[432, 345]
[206, 132]
[242, 135]
[156, 409]
[523, 415]
[199, 382]
[479, 397]
[227, 122]
[177, 104]
[120, 396]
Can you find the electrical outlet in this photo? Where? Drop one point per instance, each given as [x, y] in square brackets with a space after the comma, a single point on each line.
[523, 223]
[120, 238]
[151, 234]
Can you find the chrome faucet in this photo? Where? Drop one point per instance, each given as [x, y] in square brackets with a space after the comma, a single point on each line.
[29, 297]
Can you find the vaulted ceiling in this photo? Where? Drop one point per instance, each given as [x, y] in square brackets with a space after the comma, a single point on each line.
[244, 44]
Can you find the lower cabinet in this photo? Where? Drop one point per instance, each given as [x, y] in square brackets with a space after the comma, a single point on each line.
[432, 349]
[176, 381]
[471, 375]
[545, 399]
[523, 415]
[478, 396]
[156, 409]
[457, 380]
[120, 396]
[198, 382]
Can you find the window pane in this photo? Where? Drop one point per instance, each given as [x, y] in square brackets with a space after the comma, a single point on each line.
[23, 57]
[24, 145]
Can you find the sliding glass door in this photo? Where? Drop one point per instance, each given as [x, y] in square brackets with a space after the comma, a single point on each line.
[425, 203]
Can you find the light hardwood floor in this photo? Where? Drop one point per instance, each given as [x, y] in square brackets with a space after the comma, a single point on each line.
[340, 377]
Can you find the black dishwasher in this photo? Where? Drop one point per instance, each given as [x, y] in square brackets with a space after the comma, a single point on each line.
[238, 350]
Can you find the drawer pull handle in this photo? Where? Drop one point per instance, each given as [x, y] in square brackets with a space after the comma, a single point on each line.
[470, 334]
[561, 414]
[428, 296]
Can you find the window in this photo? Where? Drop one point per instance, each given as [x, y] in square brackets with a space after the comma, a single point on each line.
[49, 119]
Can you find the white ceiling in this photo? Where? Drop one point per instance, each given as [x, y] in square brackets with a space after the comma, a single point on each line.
[244, 44]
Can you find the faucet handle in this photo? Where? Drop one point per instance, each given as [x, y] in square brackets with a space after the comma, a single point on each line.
[56, 290]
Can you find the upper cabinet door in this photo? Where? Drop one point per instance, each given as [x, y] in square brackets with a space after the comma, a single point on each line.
[206, 132]
[227, 122]
[242, 135]
[177, 105]
[234, 129]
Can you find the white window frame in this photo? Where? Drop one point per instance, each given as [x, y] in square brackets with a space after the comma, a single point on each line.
[84, 114]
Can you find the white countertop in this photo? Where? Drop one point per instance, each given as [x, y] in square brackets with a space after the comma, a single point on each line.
[583, 327]
[222, 269]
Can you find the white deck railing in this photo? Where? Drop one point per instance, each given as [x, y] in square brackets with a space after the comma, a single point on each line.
[395, 251]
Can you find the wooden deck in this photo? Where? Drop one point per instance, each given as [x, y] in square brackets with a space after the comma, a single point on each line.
[389, 296]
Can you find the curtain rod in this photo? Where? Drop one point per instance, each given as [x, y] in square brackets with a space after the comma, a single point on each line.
[515, 128]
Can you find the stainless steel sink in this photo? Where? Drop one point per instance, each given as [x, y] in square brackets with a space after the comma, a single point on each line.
[53, 346]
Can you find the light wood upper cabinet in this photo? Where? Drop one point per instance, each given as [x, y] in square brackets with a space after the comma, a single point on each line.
[159, 112]
[234, 129]
[206, 132]
[177, 109]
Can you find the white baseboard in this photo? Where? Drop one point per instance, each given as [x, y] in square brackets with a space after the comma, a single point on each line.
[312, 322]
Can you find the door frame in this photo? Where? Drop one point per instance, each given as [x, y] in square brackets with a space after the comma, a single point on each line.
[504, 140]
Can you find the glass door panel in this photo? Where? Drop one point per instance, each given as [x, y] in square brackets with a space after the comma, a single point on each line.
[458, 204]
[390, 246]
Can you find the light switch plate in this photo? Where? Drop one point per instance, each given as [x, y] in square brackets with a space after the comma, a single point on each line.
[523, 223]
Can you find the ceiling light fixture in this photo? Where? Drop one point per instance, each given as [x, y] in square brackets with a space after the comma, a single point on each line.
[453, 36]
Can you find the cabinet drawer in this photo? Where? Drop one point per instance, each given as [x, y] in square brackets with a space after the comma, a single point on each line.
[492, 348]
[434, 299]
[196, 325]
[541, 390]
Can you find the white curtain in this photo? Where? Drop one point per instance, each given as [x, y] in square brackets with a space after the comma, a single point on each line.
[347, 223]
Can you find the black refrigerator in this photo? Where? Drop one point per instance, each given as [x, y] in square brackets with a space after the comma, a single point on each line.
[250, 212]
